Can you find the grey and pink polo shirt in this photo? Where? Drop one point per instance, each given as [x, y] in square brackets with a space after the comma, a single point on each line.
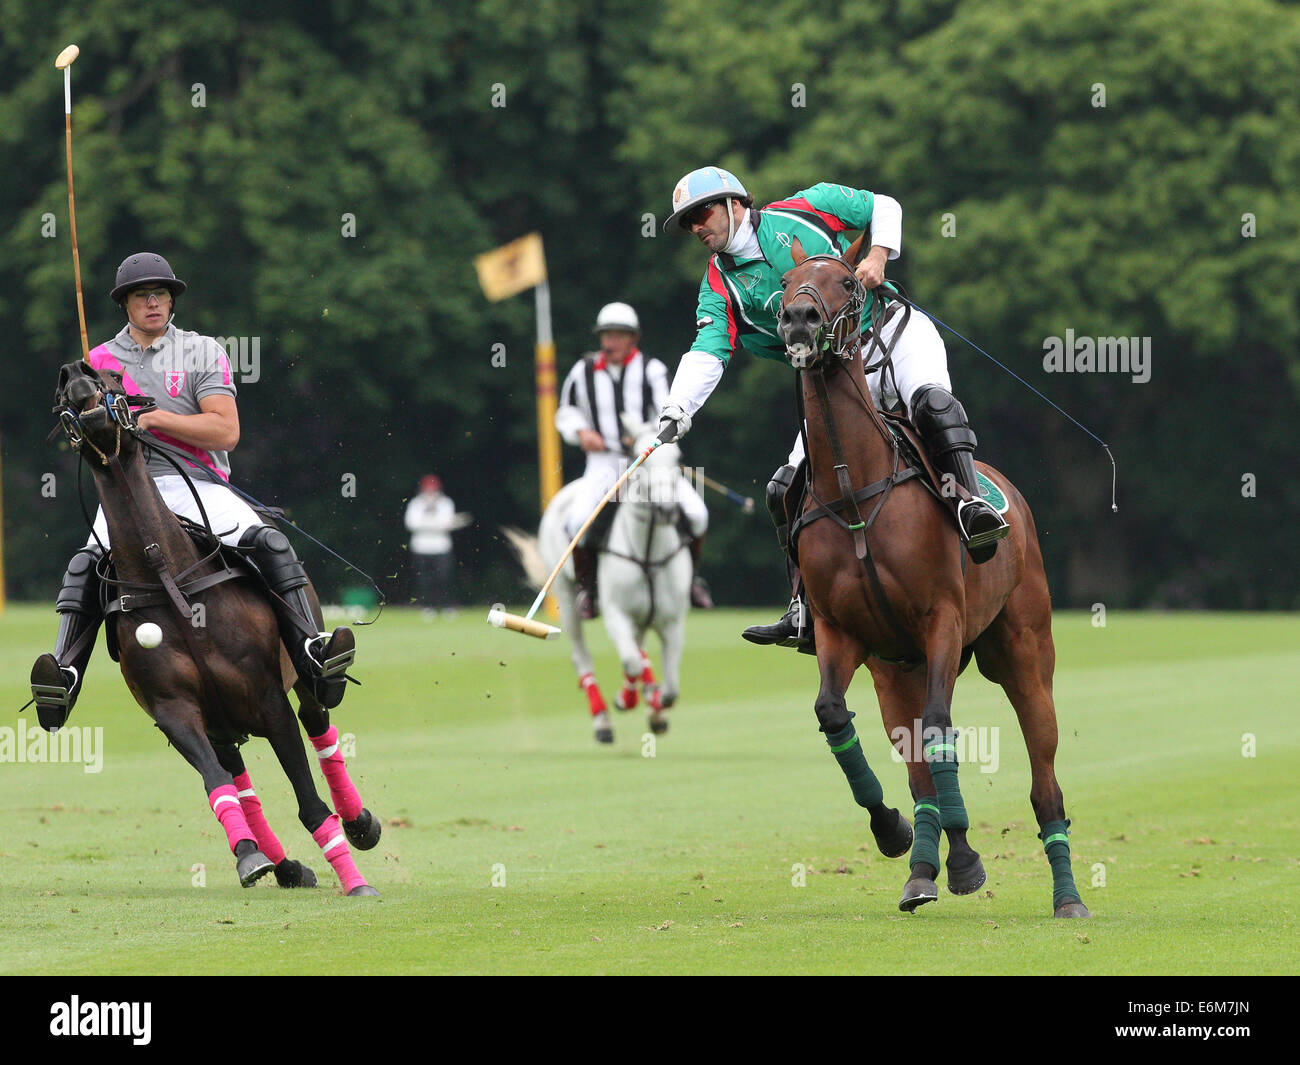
[178, 370]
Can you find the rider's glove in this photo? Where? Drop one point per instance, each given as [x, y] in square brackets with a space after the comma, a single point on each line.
[673, 415]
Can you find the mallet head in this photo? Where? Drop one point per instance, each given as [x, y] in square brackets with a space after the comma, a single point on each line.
[67, 56]
[498, 618]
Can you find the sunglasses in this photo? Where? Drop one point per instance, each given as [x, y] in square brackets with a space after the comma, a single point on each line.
[696, 215]
[146, 294]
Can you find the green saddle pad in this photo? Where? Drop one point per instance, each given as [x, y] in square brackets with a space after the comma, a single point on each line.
[992, 494]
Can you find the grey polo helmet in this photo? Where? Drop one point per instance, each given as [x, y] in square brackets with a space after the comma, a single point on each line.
[145, 268]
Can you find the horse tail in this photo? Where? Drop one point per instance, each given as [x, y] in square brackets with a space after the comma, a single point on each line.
[528, 552]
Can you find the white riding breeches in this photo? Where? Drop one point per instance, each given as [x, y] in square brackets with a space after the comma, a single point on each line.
[599, 478]
[229, 515]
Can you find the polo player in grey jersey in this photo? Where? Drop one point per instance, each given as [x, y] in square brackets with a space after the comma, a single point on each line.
[190, 378]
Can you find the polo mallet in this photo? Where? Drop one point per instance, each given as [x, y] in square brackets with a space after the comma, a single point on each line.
[745, 503]
[497, 615]
[64, 63]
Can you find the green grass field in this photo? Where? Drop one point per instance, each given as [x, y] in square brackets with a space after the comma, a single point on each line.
[513, 844]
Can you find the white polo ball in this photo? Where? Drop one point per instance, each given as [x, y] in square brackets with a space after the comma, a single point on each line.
[148, 635]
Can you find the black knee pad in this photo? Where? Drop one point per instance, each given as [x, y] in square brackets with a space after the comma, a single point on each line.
[599, 529]
[80, 591]
[942, 421]
[275, 557]
[776, 490]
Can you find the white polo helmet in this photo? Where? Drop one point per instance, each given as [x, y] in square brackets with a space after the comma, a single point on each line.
[617, 316]
[708, 184]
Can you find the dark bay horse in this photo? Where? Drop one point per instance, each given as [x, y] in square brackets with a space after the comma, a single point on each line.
[888, 585]
[221, 672]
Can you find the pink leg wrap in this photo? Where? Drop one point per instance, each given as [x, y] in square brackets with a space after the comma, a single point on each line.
[344, 796]
[329, 837]
[252, 807]
[225, 804]
[587, 682]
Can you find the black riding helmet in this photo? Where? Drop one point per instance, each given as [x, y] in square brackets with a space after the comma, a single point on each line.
[145, 268]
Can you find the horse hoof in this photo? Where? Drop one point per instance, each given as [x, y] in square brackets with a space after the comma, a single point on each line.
[658, 723]
[604, 735]
[917, 892]
[363, 832]
[291, 874]
[1073, 908]
[362, 890]
[894, 840]
[252, 867]
[968, 879]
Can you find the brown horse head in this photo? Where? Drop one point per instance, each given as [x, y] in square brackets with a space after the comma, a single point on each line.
[821, 311]
[94, 408]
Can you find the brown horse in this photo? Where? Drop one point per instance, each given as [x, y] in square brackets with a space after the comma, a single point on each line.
[221, 672]
[894, 591]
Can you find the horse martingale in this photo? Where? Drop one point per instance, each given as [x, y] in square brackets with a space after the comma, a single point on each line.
[841, 335]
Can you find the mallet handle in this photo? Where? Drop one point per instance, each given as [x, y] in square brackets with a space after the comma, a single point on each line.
[665, 437]
[72, 210]
[732, 495]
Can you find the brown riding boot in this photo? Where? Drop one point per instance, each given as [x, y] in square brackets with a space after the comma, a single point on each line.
[584, 568]
[701, 598]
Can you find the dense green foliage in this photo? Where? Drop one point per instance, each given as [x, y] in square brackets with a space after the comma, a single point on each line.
[1029, 210]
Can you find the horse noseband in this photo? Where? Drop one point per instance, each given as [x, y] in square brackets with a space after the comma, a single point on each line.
[840, 334]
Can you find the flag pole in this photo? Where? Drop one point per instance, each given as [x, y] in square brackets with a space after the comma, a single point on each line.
[550, 474]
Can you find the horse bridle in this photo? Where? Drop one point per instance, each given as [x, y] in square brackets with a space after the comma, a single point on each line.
[841, 333]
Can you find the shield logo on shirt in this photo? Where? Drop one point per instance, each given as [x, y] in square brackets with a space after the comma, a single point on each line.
[174, 381]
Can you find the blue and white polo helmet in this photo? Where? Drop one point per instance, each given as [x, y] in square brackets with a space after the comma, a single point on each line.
[705, 185]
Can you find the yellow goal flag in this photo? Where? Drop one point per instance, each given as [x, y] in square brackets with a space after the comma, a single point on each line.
[512, 268]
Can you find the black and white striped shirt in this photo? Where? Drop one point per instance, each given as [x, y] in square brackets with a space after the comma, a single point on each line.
[639, 388]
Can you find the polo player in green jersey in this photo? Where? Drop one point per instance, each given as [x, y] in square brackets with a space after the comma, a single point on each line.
[739, 300]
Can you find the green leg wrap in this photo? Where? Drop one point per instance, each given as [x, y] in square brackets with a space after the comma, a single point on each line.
[942, 757]
[1057, 845]
[844, 744]
[925, 828]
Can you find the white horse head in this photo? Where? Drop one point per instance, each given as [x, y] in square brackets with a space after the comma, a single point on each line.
[656, 483]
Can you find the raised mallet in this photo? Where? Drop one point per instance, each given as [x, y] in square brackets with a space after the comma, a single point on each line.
[497, 615]
[64, 63]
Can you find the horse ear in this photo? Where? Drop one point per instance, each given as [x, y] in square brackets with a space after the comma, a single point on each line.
[796, 251]
[857, 249]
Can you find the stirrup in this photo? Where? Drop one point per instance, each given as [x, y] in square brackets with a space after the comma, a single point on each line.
[975, 509]
[334, 666]
[54, 701]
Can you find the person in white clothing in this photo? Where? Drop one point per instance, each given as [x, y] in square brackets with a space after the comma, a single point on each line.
[604, 385]
[430, 518]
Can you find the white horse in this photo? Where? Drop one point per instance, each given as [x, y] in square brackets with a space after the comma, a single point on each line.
[643, 578]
